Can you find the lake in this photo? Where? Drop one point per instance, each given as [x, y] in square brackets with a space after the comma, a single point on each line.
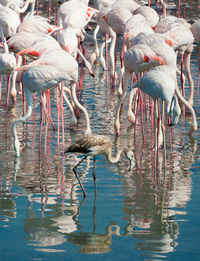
[148, 213]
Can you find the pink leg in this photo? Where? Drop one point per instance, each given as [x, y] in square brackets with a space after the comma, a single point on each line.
[106, 58]
[58, 116]
[0, 88]
[46, 137]
[36, 6]
[8, 89]
[141, 110]
[55, 14]
[182, 87]
[49, 8]
[179, 8]
[46, 112]
[62, 118]
[137, 109]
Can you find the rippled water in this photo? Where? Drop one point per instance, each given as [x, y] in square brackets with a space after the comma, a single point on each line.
[146, 214]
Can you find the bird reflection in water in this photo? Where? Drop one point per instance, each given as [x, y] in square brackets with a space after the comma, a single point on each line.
[153, 199]
[93, 243]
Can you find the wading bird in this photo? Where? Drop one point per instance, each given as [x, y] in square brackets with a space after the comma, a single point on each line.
[93, 145]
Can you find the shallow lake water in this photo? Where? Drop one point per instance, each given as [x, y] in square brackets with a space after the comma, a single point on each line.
[148, 213]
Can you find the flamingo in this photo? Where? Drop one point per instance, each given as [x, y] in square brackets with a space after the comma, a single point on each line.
[32, 29]
[22, 42]
[149, 13]
[18, 6]
[7, 63]
[36, 24]
[161, 83]
[93, 145]
[75, 14]
[68, 66]
[138, 58]
[134, 25]
[179, 30]
[130, 4]
[195, 28]
[37, 79]
[9, 21]
[69, 42]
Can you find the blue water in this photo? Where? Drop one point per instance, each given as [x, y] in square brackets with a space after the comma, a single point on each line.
[146, 214]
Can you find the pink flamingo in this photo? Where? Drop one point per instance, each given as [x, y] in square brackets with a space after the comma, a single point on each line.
[138, 58]
[18, 6]
[36, 79]
[32, 29]
[22, 41]
[69, 42]
[68, 66]
[160, 83]
[7, 64]
[179, 30]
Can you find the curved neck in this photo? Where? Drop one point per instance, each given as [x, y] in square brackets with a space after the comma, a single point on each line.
[4, 41]
[14, 131]
[189, 107]
[120, 102]
[77, 103]
[24, 8]
[114, 159]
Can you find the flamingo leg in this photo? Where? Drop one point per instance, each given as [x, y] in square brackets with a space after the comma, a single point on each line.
[46, 112]
[94, 175]
[74, 170]
[62, 118]
[8, 89]
[163, 129]
[13, 91]
[0, 88]
[187, 58]
[58, 116]
[155, 131]
[120, 102]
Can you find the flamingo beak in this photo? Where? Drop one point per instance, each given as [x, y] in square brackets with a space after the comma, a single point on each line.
[132, 165]
[92, 74]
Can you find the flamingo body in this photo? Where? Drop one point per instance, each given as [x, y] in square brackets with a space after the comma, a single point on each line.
[158, 83]
[149, 13]
[195, 28]
[7, 63]
[140, 58]
[92, 145]
[43, 77]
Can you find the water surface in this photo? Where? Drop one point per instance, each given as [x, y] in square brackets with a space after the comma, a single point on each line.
[149, 213]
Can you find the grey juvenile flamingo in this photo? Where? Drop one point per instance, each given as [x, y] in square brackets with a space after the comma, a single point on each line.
[93, 145]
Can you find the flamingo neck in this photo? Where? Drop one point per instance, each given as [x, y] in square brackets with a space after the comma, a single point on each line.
[14, 131]
[24, 8]
[114, 159]
[4, 41]
[120, 102]
[189, 107]
[77, 103]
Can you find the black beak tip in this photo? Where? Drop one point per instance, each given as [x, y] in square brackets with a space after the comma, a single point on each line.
[92, 74]
[170, 124]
